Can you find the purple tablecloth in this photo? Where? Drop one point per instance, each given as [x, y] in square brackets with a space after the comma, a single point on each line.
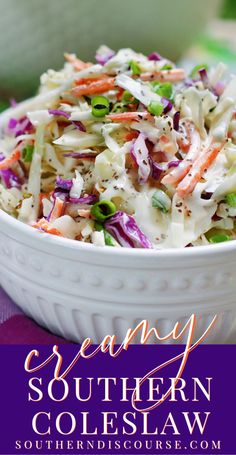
[16, 328]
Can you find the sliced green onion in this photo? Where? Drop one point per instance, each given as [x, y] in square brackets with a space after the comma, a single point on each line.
[103, 210]
[100, 106]
[27, 153]
[167, 66]
[109, 240]
[155, 108]
[230, 199]
[128, 98]
[165, 89]
[134, 68]
[218, 238]
[197, 68]
[98, 226]
[119, 107]
[161, 201]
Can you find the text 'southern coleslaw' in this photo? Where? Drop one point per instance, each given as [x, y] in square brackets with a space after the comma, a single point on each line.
[128, 152]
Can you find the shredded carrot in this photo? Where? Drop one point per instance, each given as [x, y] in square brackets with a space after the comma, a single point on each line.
[44, 196]
[178, 173]
[89, 80]
[164, 138]
[201, 164]
[130, 163]
[44, 225]
[99, 86]
[119, 93]
[174, 75]
[131, 135]
[9, 160]
[129, 116]
[76, 62]
[174, 179]
[58, 209]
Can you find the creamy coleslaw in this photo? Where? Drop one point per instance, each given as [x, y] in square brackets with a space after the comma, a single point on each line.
[128, 152]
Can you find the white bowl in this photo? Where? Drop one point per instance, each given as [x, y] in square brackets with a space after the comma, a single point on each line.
[78, 290]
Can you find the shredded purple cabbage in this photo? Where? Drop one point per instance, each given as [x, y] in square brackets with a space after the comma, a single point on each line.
[64, 184]
[83, 200]
[102, 59]
[206, 195]
[174, 163]
[140, 154]
[79, 155]
[176, 119]
[79, 125]
[167, 105]
[219, 88]
[61, 193]
[12, 123]
[19, 127]
[124, 229]
[8, 177]
[155, 57]
[156, 169]
[204, 76]
[59, 113]
[13, 102]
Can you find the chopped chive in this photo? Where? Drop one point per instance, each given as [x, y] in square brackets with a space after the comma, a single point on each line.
[27, 153]
[128, 98]
[109, 240]
[167, 66]
[155, 108]
[196, 68]
[134, 68]
[118, 107]
[230, 199]
[165, 90]
[100, 106]
[98, 226]
[103, 210]
[161, 201]
[218, 238]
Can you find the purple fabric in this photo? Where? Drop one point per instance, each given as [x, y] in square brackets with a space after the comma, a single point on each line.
[16, 328]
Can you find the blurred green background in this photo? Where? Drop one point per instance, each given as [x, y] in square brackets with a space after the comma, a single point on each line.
[229, 9]
[35, 33]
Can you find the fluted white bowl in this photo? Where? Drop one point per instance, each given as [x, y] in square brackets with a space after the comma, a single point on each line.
[78, 290]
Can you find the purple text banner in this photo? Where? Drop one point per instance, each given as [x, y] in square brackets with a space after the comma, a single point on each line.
[92, 408]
